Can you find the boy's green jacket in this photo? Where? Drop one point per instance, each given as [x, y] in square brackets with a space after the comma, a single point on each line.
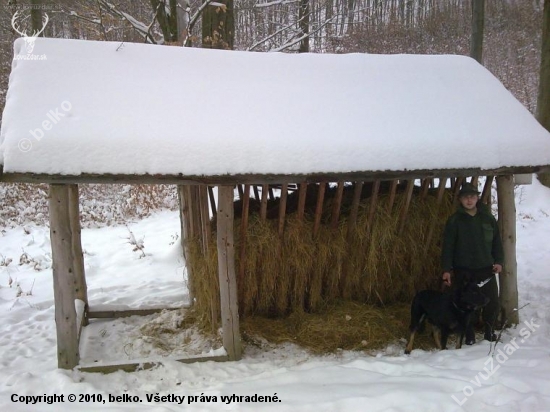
[471, 242]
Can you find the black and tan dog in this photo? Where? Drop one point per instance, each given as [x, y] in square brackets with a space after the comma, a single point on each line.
[447, 312]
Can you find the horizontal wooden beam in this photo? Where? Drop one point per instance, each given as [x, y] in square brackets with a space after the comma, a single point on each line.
[134, 366]
[124, 313]
[365, 176]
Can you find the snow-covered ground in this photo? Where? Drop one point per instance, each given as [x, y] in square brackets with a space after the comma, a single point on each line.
[516, 378]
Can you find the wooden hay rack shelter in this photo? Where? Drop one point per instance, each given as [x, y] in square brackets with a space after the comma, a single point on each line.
[379, 122]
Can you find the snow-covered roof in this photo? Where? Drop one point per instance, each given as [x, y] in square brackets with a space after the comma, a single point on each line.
[93, 108]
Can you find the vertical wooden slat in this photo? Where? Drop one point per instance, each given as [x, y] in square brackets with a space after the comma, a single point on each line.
[282, 208]
[228, 284]
[183, 198]
[405, 209]
[354, 208]
[372, 206]
[456, 189]
[336, 206]
[256, 193]
[486, 194]
[271, 194]
[507, 223]
[81, 289]
[425, 188]
[391, 201]
[474, 180]
[263, 205]
[63, 277]
[440, 193]
[301, 200]
[319, 207]
[240, 190]
[205, 217]
[190, 211]
[212, 200]
[242, 251]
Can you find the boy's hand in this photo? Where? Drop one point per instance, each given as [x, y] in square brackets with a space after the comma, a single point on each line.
[497, 268]
[447, 278]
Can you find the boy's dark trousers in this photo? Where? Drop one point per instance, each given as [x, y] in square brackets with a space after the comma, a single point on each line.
[490, 312]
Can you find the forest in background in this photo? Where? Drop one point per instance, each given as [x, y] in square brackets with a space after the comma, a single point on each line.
[512, 40]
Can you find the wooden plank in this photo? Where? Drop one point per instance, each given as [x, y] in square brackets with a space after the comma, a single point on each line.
[319, 207]
[456, 188]
[391, 201]
[271, 194]
[263, 204]
[212, 200]
[486, 193]
[242, 250]
[301, 200]
[508, 281]
[185, 228]
[228, 283]
[63, 277]
[255, 178]
[474, 180]
[97, 313]
[282, 209]
[81, 309]
[337, 205]
[405, 208]
[241, 192]
[137, 366]
[81, 289]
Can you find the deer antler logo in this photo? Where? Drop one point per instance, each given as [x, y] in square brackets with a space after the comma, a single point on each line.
[29, 41]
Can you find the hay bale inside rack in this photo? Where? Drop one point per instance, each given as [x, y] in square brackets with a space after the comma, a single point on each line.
[303, 247]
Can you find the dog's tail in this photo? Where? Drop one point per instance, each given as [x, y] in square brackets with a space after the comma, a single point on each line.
[422, 324]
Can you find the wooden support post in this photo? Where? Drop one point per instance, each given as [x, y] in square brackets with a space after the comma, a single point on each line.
[63, 277]
[240, 190]
[81, 289]
[474, 180]
[271, 194]
[263, 204]
[256, 193]
[507, 222]
[302, 200]
[405, 209]
[336, 206]
[391, 201]
[228, 282]
[486, 194]
[456, 189]
[319, 207]
[282, 208]
[183, 199]
[242, 251]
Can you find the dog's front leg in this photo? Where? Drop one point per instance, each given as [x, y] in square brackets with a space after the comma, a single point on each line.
[409, 347]
[444, 337]
[437, 337]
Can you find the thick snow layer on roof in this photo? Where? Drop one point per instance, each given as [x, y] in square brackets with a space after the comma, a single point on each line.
[105, 107]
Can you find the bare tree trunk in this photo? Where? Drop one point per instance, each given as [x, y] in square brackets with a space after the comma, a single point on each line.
[36, 17]
[478, 22]
[218, 26]
[543, 103]
[303, 19]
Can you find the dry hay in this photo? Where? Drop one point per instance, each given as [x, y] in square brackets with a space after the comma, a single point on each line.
[302, 273]
[343, 325]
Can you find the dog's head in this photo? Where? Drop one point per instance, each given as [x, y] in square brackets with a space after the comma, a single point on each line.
[470, 298]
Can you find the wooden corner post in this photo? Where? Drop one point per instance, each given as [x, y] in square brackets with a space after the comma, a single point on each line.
[63, 276]
[228, 281]
[507, 223]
